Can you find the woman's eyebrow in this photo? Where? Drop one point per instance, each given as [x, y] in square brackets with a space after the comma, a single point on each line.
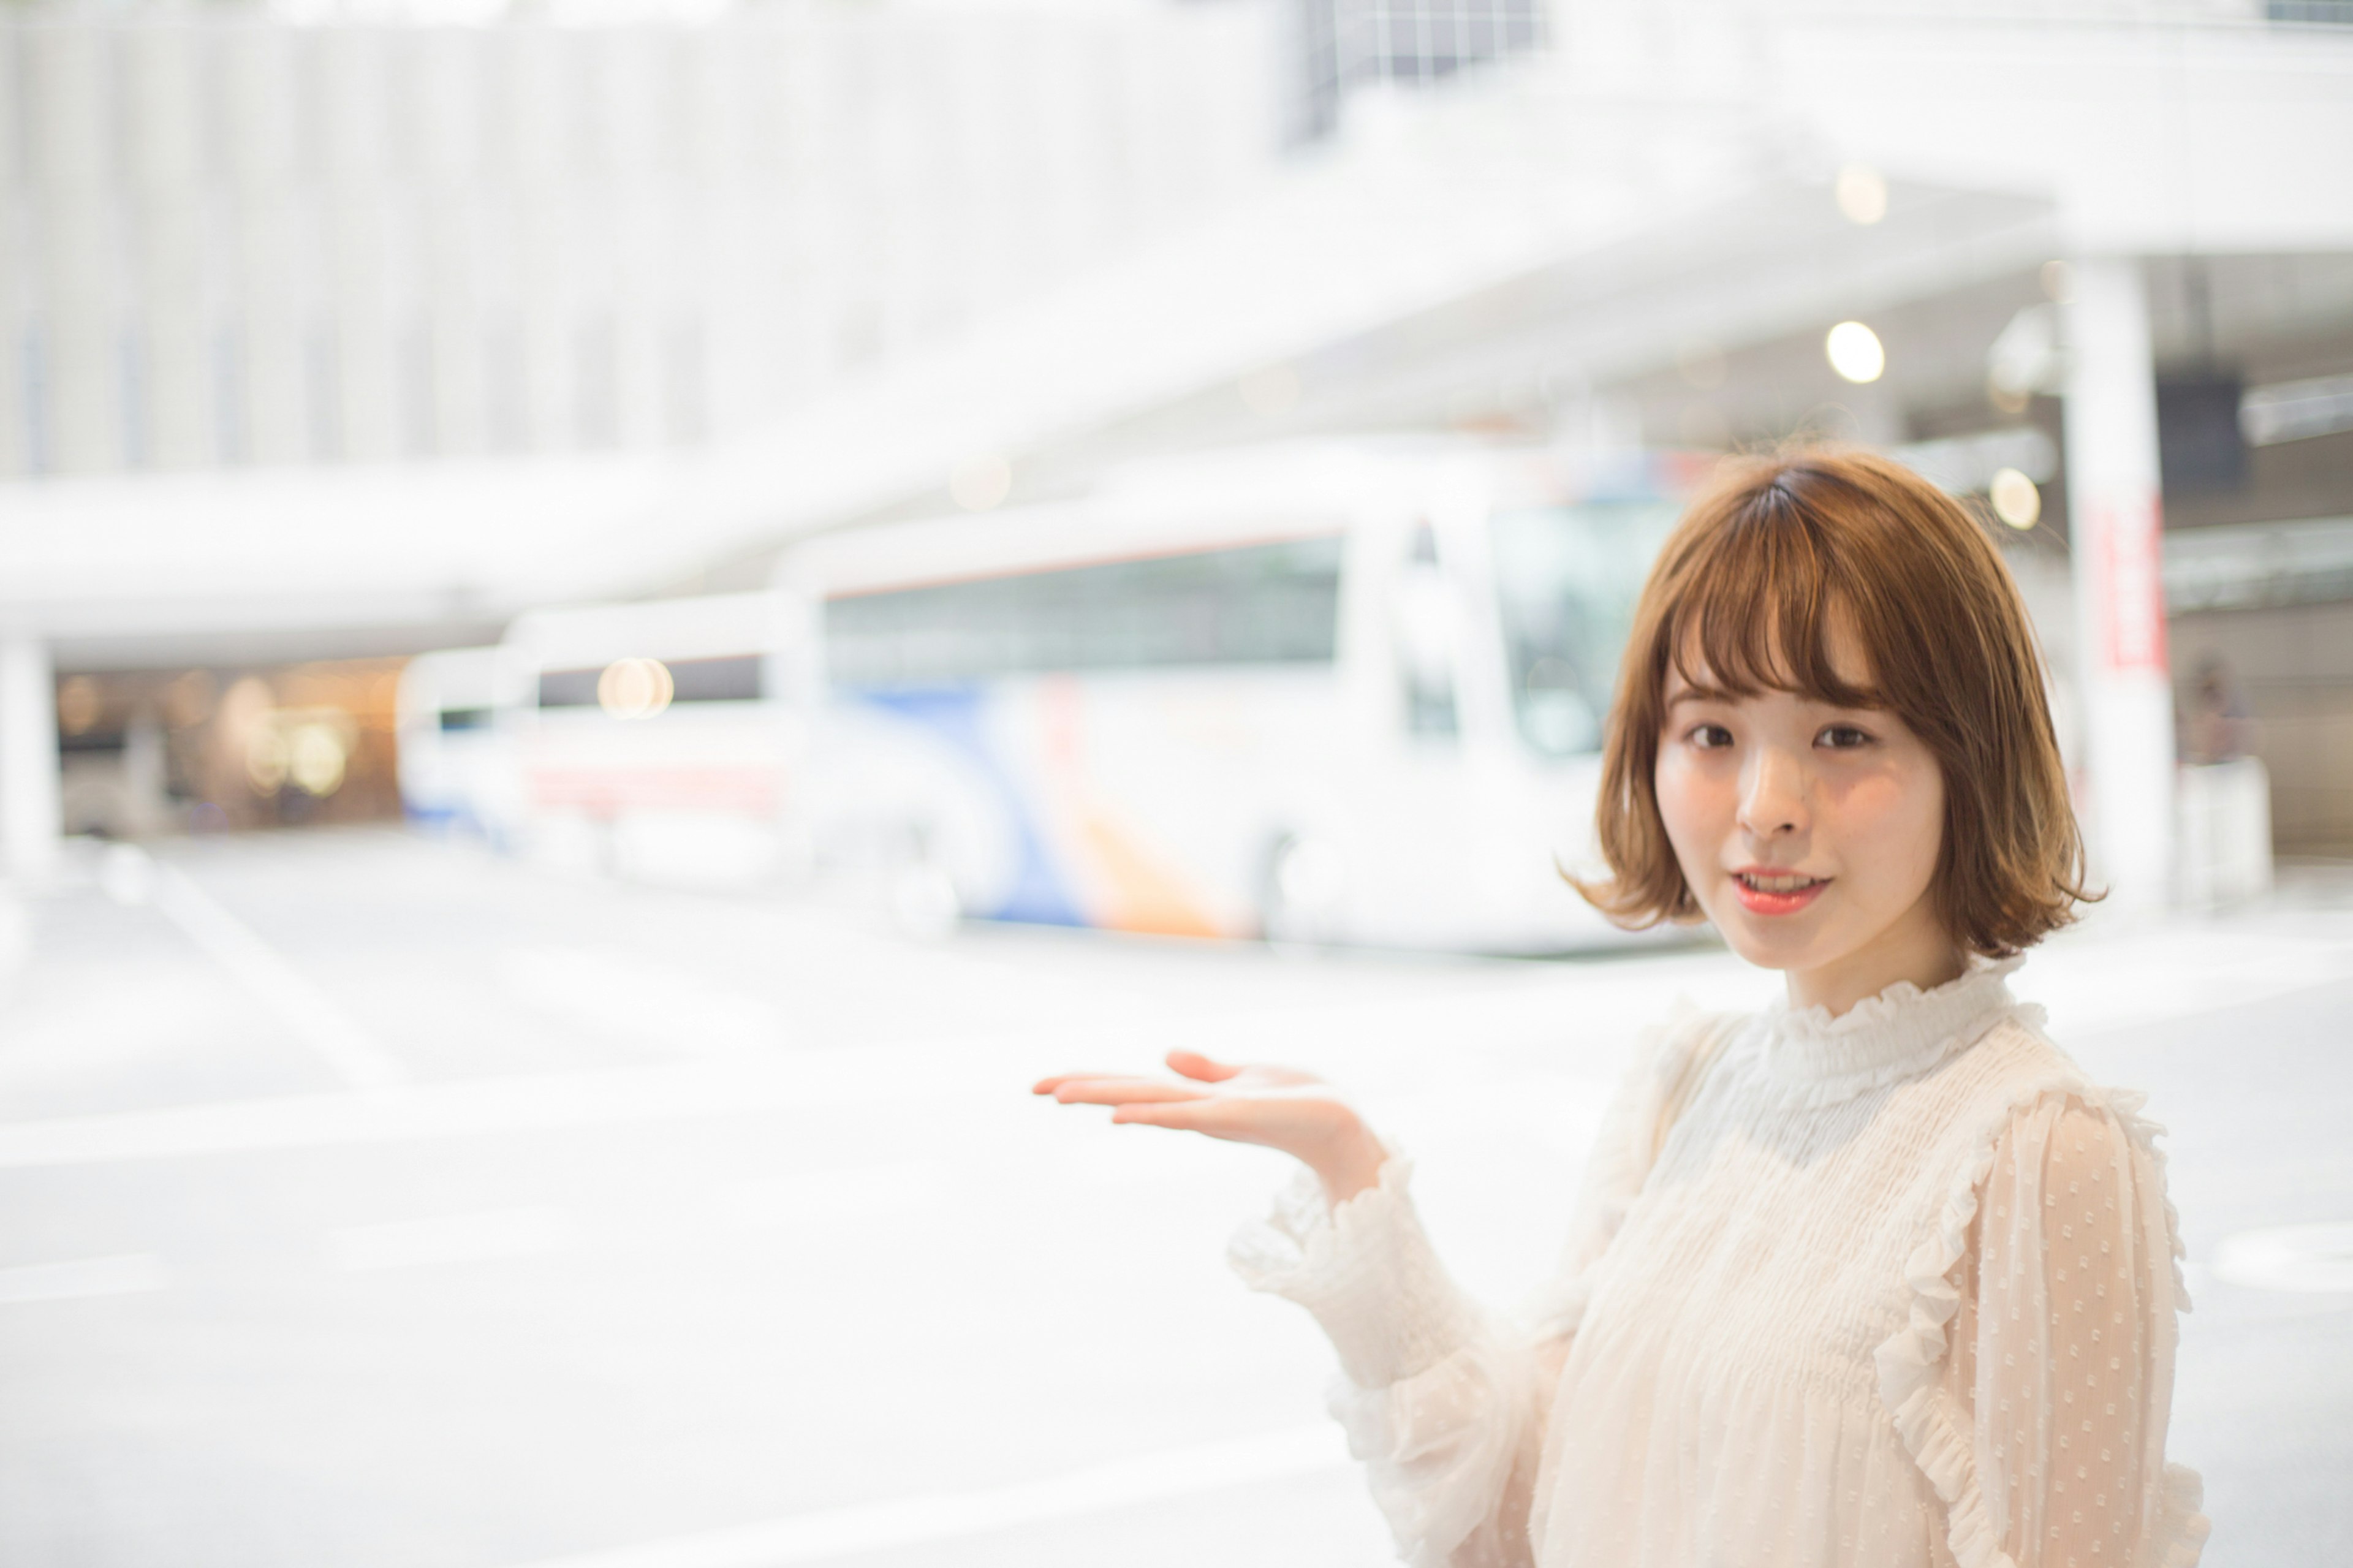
[1690, 693]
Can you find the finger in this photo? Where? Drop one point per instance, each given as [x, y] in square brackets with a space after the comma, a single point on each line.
[1049, 1085]
[1122, 1091]
[1194, 1065]
[1183, 1116]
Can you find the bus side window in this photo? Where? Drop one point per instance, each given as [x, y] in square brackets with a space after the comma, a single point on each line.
[1429, 628]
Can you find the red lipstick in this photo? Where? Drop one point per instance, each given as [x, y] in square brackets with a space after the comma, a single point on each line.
[1764, 890]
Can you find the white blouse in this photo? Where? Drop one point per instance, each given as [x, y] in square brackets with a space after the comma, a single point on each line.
[1890, 1290]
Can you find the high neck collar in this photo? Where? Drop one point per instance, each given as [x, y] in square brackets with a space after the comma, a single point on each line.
[1882, 1039]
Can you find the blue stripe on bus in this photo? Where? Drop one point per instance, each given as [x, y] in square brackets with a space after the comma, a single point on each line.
[1038, 896]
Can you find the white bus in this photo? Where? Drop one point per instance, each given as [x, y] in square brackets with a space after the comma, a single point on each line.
[1342, 695]
[457, 760]
[661, 739]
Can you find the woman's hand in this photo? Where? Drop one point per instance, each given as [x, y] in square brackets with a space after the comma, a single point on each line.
[1281, 1108]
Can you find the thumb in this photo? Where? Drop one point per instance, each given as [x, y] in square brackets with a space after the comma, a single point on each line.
[1194, 1065]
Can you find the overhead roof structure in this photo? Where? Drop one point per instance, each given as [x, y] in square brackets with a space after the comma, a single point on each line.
[1535, 222]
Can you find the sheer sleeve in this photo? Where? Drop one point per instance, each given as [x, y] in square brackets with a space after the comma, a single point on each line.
[2063, 1346]
[1444, 1402]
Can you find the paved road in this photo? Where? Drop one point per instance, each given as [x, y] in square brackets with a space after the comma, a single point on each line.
[365, 1201]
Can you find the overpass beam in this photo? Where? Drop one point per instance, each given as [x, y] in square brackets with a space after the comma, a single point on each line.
[30, 819]
[2116, 524]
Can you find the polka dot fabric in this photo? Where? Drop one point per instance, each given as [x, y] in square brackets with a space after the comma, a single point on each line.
[1894, 1289]
[2063, 1342]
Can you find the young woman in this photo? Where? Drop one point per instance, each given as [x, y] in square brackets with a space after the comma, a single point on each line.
[1875, 1279]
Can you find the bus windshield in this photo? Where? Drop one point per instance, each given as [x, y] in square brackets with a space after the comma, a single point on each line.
[1568, 578]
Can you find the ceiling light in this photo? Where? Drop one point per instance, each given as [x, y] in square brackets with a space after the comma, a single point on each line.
[1855, 352]
[1862, 193]
[2015, 499]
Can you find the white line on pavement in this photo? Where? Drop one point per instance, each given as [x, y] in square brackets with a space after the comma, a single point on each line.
[521, 1102]
[452, 1238]
[316, 1018]
[947, 1515]
[121, 1274]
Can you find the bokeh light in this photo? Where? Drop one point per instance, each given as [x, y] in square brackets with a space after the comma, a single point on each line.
[2015, 499]
[1855, 353]
[315, 759]
[1862, 193]
[981, 482]
[634, 688]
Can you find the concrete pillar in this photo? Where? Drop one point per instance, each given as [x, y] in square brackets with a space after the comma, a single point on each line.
[2115, 526]
[29, 816]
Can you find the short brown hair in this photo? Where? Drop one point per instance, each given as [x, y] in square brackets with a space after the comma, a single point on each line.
[1749, 583]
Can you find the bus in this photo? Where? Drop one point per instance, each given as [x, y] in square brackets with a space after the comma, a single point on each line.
[456, 762]
[1322, 695]
[661, 739]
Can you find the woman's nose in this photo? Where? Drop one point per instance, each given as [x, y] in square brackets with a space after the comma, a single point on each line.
[1773, 793]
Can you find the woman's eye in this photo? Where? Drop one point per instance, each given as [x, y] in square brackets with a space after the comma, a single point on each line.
[1844, 738]
[1709, 737]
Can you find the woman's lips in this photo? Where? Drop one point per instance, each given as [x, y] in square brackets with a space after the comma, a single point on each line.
[1777, 893]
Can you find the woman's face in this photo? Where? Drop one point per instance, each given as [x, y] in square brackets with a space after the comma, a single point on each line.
[1809, 834]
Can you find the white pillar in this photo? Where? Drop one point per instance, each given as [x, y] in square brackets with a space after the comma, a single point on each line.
[29, 819]
[2114, 526]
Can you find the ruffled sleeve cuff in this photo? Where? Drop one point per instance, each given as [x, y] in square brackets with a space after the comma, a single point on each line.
[1366, 1269]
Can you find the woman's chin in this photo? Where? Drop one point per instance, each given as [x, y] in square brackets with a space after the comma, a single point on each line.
[1771, 941]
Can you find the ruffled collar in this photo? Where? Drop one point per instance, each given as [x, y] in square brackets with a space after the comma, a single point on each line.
[1902, 1032]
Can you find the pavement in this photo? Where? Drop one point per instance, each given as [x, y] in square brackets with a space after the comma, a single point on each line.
[366, 1200]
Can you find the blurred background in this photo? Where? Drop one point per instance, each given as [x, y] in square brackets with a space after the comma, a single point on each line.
[618, 618]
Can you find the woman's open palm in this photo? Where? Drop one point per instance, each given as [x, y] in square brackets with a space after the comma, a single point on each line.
[1281, 1108]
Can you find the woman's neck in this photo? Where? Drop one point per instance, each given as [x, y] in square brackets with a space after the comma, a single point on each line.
[1915, 948]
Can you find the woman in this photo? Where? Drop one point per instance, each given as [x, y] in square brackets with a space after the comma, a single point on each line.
[1877, 1277]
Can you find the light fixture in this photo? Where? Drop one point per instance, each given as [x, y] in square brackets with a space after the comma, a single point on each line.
[634, 688]
[2015, 499]
[1862, 193]
[1855, 352]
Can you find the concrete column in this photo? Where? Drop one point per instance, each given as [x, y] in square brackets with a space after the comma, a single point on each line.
[2115, 526]
[29, 817]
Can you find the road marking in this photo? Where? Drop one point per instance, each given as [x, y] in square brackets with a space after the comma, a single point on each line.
[317, 1019]
[121, 1274]
[2306, 1258]
[453, 1238]
[948, 1516]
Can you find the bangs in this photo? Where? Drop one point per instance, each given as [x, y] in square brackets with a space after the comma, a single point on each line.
[1761, 600]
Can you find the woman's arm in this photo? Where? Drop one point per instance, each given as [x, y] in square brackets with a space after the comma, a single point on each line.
[1440, 1399]
[2064, 1344]
[1446, 1403]
[1276, 1107]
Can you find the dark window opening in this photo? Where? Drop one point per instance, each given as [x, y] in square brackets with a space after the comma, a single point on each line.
[734, 678]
